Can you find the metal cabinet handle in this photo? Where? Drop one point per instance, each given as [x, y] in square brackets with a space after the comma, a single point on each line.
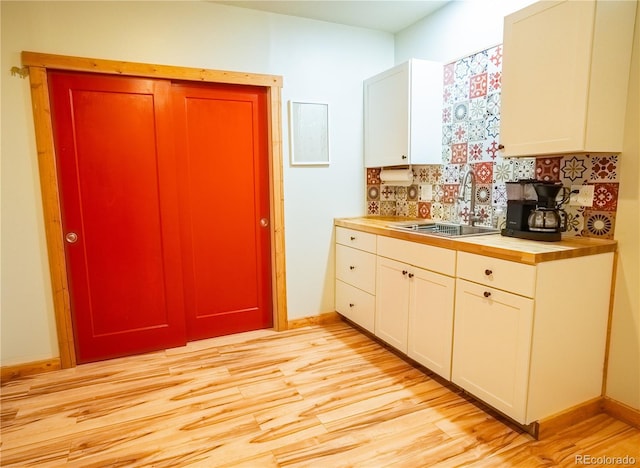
[351, 267]
[404, 272]
[486, 294]
[404, 156]
[488, 272]
[352, 238]
[351, 304]
[411, 275]
[71, 237]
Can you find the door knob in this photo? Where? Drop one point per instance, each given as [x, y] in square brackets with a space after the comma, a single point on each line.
[71, 237]
[264, 222]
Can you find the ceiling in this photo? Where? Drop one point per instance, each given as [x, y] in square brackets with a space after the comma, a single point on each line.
[383, 15]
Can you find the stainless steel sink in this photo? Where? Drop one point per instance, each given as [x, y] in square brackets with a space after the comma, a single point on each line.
[443, 229]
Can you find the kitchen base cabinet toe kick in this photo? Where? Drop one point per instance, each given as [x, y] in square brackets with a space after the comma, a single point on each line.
[527, 340]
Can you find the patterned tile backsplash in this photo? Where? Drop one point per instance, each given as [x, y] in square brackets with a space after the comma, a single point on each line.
[471, 132]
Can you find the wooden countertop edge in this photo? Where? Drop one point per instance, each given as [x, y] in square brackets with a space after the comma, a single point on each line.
[579, 246]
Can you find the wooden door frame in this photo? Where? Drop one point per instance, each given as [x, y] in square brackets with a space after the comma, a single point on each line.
[38, 64]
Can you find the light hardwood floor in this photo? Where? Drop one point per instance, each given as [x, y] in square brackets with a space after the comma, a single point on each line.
[324, 396]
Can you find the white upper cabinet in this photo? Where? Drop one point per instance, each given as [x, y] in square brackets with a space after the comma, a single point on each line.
[565, 77]
[403, 115]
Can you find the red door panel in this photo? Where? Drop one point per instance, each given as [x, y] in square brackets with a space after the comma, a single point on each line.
[224, 194]
[117, 175]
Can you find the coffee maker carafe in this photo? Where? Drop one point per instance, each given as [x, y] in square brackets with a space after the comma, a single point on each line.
[548, 219]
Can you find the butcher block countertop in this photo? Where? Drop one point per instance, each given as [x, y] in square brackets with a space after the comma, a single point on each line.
[492, 245]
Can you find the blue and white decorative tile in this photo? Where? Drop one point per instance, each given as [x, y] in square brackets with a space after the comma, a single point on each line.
[461, 91]
[476, 130]
[447, 134]
[524, 168]
[604, 168]
[503, 171]
[462, 70]
[499, 195]
[479, 62]
[493, 127]
[460, 111]
[478, 108]
[574, 169]
[493, 105]
[451, 174]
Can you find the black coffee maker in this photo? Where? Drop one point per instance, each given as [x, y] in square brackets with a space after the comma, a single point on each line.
[532, 210]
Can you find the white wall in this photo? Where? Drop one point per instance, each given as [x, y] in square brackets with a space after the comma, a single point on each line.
[458, 29]
[319, 61]
[623, 377]
[464, 27]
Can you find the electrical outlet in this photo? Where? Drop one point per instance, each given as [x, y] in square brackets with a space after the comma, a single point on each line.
[584, 197]
[426, 192]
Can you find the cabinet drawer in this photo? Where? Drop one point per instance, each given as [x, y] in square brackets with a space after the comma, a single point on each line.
[356, 268]
[423, 256]
[501, 274]
[356, 239]
[356, 305]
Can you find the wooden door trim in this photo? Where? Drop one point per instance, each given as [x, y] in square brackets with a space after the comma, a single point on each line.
[38, 65]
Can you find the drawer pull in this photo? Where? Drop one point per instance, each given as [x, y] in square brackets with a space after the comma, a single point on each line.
[351, 267]
[486, 294]
[352, 238]
[404, 272]
[488, 272]
[411, 275]
[351, 304]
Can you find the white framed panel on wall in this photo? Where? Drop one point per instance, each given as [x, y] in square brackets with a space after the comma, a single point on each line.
[309, 133]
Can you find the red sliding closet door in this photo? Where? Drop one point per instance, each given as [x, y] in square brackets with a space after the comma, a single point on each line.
[221, 141]
[116, 171]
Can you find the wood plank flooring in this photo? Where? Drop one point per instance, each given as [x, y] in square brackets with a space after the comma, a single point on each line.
[324, 396]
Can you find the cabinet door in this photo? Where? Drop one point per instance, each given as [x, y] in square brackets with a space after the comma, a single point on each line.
[386, 119]
[492, 346]
[565, 77]
[431, 320]
[392, 302]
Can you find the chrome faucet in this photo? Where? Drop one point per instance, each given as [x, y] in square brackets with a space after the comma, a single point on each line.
[470, 176]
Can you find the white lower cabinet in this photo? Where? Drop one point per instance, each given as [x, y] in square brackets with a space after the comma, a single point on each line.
[392, 302]
[414, 306]
[431, 321]
[356, 276]
[493, 331]
[528, 340]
